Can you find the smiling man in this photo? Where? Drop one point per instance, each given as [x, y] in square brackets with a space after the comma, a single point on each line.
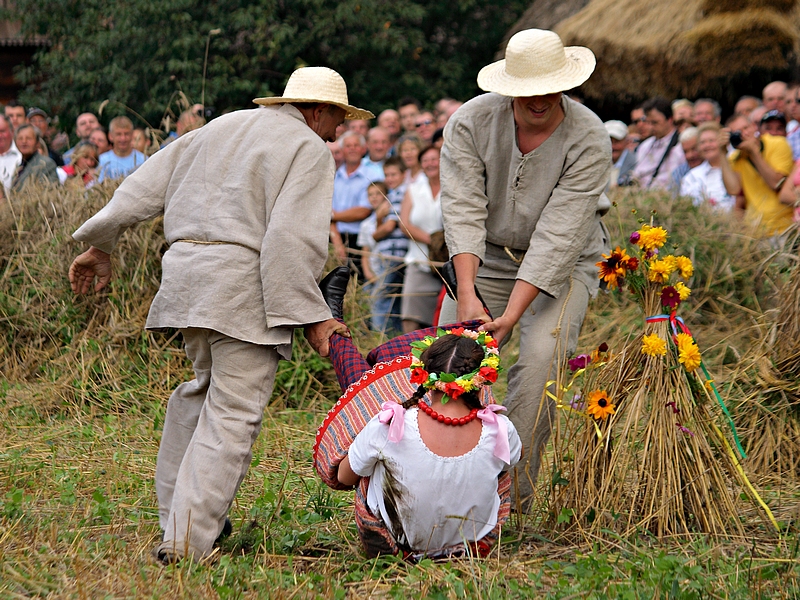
[246, 203]
[523, 171]
[122, 159]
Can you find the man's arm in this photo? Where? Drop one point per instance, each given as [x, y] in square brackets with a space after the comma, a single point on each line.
[350, 215]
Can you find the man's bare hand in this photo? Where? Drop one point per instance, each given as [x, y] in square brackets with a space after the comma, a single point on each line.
[499, 328]
[319, 334]
[83, 270]
[470, 309]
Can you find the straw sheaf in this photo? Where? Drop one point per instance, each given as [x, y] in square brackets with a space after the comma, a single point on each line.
[675, 48]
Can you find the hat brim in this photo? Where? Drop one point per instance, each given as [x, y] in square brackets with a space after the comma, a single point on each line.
[578, 68]
[352, 111]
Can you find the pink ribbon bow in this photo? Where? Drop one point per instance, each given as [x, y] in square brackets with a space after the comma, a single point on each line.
[394, 412]
[489, 416]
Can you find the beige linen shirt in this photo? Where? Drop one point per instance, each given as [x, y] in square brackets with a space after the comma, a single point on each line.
[546, 204]
[261, 182]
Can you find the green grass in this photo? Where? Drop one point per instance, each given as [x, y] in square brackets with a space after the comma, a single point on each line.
[82, 398]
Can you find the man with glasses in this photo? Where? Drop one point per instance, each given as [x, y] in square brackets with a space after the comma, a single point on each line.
[426, 125]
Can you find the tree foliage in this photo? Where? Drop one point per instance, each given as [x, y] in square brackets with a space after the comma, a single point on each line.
[141, 53]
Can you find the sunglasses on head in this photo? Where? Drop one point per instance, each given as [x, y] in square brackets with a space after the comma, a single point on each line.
[426, 122]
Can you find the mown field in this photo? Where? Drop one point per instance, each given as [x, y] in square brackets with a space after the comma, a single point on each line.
[83, 392]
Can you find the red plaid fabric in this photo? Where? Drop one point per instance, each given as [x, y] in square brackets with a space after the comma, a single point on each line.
[401, 345]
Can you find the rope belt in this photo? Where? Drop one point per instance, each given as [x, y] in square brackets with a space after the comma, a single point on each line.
[511, 255]
[207, 243]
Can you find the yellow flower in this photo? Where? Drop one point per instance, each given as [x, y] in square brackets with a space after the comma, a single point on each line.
[683, 291]
[651, 237]
[689, 357]
[492, 361]
[685, 266]
[684, 340]
[688, 352]
[599, 405]
[653, 345]
[660, 270]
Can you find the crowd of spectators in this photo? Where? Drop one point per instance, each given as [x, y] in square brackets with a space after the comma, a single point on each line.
[386, 210]
[32, 149]
[749, 166]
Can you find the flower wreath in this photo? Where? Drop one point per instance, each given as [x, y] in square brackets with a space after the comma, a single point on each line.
[485, 374]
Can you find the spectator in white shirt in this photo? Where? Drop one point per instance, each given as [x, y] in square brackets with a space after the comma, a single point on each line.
[704, 183]
[10, 157]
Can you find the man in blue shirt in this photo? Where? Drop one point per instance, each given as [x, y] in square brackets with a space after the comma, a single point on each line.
[350, 203]
[378, 146]
[122, 159]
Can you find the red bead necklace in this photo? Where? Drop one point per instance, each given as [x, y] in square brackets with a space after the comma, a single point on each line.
[473, 414]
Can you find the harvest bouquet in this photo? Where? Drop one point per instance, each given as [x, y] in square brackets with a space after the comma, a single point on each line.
[648, 443]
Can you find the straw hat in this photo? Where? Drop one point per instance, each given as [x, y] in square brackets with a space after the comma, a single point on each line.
[537, 63]
[317, 84]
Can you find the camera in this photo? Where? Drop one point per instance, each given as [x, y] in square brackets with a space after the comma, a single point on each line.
[736, 138]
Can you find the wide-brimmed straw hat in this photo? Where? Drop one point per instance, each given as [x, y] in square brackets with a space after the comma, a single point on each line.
[537, 63]
[317, 84]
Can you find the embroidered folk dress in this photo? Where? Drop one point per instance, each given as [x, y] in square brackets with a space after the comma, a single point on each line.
[441, 501]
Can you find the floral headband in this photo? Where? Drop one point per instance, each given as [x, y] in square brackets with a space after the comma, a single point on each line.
[450, 384]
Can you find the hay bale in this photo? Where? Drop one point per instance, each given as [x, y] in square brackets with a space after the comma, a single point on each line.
[712, 7]
[675, 48]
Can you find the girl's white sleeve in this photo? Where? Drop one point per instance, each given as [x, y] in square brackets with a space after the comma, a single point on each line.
[367, 449]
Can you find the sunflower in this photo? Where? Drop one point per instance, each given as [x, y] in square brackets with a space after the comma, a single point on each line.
[653, 345]
[685, 266]
[599, 405]
[683, 291]
[614, 267]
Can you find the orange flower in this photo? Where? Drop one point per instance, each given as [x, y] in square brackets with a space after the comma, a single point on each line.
[599, 405]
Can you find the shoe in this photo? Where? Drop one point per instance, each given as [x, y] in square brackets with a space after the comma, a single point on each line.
[333, 287]
[227, 529]
[448, 274]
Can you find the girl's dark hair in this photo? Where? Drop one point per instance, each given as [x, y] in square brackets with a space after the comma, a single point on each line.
[451, 354]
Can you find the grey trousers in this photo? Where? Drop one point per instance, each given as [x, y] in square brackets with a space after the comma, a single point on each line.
[209, 430]
[548, 331]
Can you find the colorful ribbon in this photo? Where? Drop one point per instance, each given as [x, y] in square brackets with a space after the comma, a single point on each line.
[396, 414]
[489, 416]
[677, 323]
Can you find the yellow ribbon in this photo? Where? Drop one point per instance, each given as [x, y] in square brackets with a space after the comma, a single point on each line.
[749, 485]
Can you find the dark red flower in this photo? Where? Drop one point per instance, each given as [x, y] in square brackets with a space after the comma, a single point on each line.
[602, 347]
[670, 297]
[632, 264]
[579, 362]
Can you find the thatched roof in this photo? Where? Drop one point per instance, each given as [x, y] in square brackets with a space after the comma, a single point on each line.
[543, 14]
[682, 48]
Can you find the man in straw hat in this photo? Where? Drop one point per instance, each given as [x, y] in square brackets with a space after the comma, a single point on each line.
[523, 171]
[239, 275]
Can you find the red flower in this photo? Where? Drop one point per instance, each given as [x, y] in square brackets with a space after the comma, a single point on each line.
[453, 390]
[457, 331]
[670, 297]
[419, 375]
[488, 373]
[632, 264]
[492, 343]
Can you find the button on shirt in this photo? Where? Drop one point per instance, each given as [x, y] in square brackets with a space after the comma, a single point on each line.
[9, 161]
[648, 156]
[350, 191]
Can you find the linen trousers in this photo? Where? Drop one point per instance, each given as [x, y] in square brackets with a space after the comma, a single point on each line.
[210, 427]
[548, 331]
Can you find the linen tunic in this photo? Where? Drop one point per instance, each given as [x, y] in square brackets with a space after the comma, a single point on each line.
[546, 204]
[260, 182]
